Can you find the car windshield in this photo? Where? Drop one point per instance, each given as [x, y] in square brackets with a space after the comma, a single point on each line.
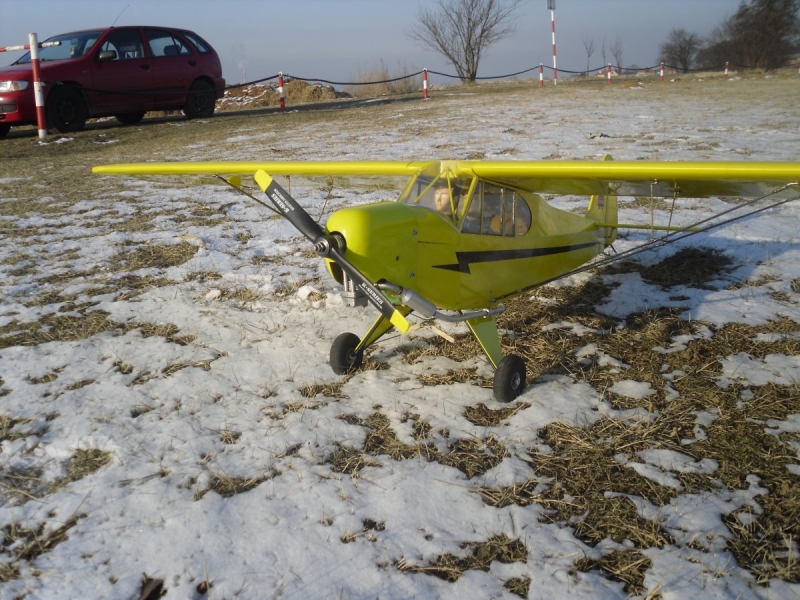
[72, 45]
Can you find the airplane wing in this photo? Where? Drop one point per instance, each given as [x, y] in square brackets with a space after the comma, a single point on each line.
[622, 178]
[641, 178]
[311, 169]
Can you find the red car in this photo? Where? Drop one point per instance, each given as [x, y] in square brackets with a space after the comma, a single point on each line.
[119, 71]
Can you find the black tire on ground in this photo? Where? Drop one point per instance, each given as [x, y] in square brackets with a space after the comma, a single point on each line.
[201, 101]
[131, 118]
[4, 129]
[509, 379]
[66, 109]
[344, 358]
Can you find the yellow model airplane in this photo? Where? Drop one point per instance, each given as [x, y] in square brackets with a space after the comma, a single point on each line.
[464, 235]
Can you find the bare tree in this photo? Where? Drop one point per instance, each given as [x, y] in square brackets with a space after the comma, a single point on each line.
[762, 34]
[462, 30]
[588, 45]
[603, 52]
[616, 53]
[680, 49]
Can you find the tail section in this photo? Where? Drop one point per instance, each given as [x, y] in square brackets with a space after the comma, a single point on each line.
[603, 209]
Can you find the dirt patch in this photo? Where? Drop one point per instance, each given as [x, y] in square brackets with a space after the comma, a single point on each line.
[295, 92]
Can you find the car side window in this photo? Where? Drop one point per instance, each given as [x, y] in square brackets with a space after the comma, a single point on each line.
[126, 43]
[199, 43]
[163, 43]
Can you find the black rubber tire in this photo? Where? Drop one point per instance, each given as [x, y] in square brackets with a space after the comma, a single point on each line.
[131, 118]
[66, 109]
[344, 358]
[509, 379]
[201, 102]
[4, 129]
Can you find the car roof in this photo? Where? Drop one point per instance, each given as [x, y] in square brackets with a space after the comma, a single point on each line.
[95, 29]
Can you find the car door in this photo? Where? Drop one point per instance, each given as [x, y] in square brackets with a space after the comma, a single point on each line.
[175, 66]
[122, 73]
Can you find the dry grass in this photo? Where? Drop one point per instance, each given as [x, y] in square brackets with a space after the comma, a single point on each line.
[480, 557]
[386, 86]
[84, 462]
[153, 256]
[80, 325]
[227, 486]
[487, 417]
[626, 566]
[26, 544]
[22, 484]
[330, 390]
[471, 456]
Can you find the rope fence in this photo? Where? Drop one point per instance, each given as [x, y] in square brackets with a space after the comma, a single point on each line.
[608, 70]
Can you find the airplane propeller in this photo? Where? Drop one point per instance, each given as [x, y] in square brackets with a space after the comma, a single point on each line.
[330, 247]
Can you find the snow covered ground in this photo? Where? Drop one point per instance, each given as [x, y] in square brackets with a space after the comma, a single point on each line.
[180, 355]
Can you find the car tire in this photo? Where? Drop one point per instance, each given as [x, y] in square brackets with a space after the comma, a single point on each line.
[66, 109]
[4, 129]
[201, 101]
[131, 118]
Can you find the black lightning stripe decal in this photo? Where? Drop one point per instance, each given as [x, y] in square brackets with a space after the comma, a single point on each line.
[465, 259]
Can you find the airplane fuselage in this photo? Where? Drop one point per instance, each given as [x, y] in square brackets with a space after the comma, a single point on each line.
[418, 248]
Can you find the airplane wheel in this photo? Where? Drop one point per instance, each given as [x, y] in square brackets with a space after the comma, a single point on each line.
[344, 358]
[509, 379]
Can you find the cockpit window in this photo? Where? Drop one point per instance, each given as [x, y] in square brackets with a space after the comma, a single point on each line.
[444, 195]
[494, 210]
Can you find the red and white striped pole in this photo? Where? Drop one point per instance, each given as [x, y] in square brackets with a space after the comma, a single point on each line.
[608, 72]
[28, 46]
[281, 96]
[425, 84]
[662, 72]
[38, 95]
[541, 75]
[551, 4]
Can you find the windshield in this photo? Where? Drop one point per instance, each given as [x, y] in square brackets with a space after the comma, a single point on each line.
[441, 194]
[73, 45]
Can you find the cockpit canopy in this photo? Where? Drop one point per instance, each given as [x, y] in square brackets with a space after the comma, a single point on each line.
[470, 204]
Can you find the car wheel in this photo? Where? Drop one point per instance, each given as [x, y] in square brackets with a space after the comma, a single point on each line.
[344, 358]
[131, 118]
[66, 109]
[509, 379]
[4, 129]
[201, 101]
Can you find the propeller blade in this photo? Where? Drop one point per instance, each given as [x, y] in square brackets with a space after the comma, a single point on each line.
[298, 217]
[289, 208]
[373, 294]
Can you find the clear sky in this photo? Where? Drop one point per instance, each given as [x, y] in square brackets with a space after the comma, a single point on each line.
[340, 39]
